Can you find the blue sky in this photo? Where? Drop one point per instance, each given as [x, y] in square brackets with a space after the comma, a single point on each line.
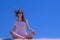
[43, 17]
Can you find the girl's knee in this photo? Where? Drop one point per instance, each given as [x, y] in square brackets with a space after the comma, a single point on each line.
[28, 37]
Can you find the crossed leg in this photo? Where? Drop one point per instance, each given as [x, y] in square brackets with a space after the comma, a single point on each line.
[15, 36]
[30, 36]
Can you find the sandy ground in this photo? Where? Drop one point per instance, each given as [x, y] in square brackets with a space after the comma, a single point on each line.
[33, 39]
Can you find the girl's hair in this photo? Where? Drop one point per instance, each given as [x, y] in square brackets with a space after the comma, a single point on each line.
[19, 12]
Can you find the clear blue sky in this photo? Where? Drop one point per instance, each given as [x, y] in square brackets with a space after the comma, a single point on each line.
[43, 16]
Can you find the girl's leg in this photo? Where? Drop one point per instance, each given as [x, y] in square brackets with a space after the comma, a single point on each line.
[14, 35]
[29, 36]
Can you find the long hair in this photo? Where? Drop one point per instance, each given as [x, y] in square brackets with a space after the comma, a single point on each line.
[18, 12]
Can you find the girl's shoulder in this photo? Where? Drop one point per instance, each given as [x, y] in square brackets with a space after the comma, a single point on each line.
[15, 21]
[26, 21]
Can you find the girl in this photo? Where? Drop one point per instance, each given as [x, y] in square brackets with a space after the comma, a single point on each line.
[20, 26]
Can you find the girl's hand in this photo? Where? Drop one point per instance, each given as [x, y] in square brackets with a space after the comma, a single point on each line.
[33, 32]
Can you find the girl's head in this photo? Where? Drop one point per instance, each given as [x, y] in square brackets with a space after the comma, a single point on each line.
[19, 14]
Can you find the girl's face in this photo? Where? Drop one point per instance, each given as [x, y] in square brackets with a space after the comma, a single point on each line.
[20, 15]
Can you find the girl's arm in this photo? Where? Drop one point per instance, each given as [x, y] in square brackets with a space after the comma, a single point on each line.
[27, 26]
[30, 29]
[14, 29]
